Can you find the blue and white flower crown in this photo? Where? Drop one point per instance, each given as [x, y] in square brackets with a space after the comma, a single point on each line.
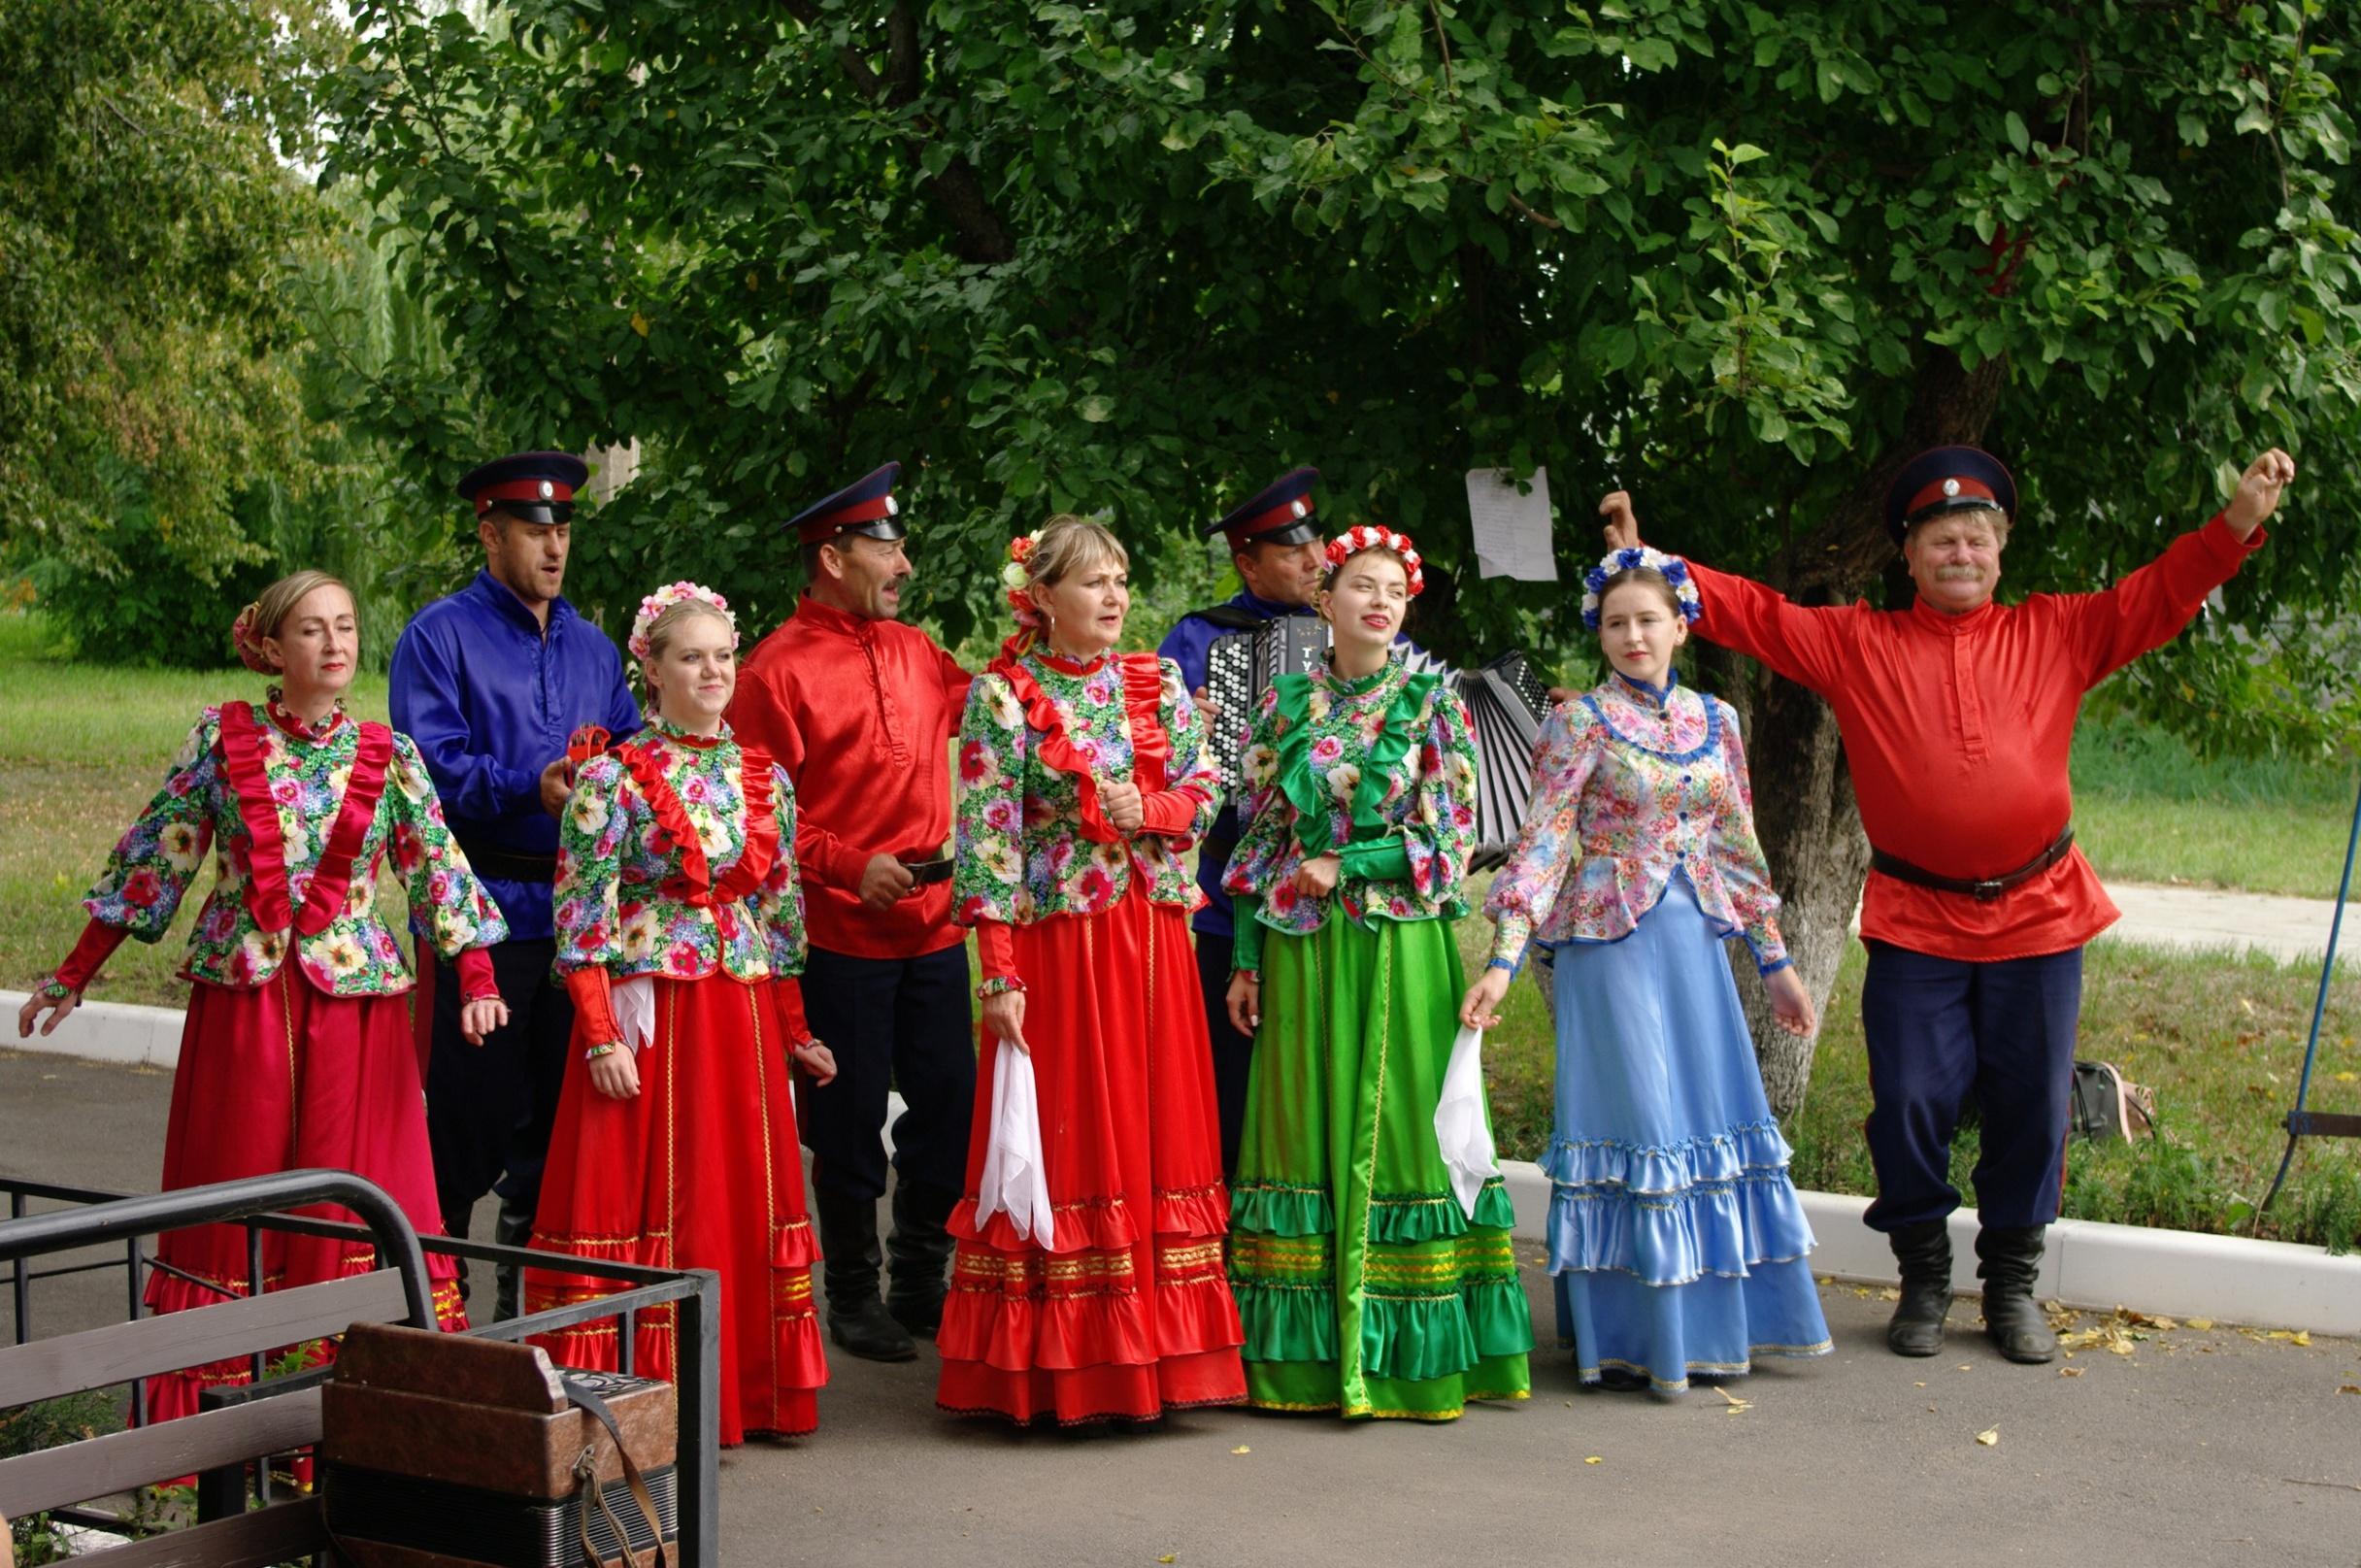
[1672, 568]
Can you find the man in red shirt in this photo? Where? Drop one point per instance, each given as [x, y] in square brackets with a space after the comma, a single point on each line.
[859, 709]
[1957, 715]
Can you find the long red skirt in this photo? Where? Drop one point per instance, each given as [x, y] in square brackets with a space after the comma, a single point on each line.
[1131, 1315]
[700, 1170]
[287, 1077]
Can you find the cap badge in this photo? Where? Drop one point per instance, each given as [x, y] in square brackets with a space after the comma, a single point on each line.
[547, 489]
[1300, 508]
[1951, 486]
[893, 507]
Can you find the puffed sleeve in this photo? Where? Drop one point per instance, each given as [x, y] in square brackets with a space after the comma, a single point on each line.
[449, 907]
[780, 900]
[987, 824]
[584, 905]
[1185, 807]
[1739, 854]
[159, 853]
[1267, 839]
[1550, 837]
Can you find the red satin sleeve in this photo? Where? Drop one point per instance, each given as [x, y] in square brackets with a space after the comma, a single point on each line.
[995, 949]
[1169, 812]
[593, 1008]
[787, 995]
[98, 943]
[476, 980]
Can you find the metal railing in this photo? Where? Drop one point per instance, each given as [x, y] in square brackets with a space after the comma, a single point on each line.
[102, 1218]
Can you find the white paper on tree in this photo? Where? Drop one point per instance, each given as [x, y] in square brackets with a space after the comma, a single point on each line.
[1512, 529]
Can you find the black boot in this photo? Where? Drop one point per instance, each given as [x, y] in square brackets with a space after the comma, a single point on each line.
[513, 1228]
[2011, 1261]
[916, 1253]
[848, 1243]
[1924, 1251]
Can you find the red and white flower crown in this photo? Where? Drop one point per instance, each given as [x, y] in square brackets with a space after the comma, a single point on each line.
[1017, 581]
[663, 599]
[1367, 536]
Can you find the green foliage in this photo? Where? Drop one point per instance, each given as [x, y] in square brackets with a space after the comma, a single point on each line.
[144, 220]
[1140, 257]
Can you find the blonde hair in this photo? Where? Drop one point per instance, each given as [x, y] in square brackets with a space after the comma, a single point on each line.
[1068, 545]
[270, 611]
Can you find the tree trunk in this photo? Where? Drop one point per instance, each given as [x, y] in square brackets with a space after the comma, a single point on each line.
[1804, 807]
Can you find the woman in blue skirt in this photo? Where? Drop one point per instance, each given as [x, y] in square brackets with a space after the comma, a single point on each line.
[1675, 1234]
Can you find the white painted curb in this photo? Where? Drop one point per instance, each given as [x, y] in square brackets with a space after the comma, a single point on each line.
[2264, 1284]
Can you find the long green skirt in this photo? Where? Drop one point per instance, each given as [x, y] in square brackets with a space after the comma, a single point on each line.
[1363, 1286]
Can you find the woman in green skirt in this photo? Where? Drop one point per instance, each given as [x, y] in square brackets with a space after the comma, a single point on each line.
[1364, 1285]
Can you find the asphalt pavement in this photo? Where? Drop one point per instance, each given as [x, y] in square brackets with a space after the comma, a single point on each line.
[2180, 1446]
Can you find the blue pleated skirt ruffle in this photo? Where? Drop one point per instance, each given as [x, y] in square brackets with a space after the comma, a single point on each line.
[1675, 1233]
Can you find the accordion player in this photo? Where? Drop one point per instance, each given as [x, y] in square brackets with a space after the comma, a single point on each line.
[1505, 700]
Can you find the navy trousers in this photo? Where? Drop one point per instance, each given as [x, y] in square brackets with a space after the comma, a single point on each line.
[1233, 1052]
[490, 1108]
[1941, 1031]
[891, 1023]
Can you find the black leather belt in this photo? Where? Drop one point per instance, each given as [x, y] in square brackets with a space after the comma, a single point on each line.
[1983, 889]
[509, 865]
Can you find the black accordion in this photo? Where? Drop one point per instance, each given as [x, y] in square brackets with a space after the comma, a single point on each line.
[1506, 701]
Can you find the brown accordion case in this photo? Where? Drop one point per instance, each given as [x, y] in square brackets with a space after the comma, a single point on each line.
[438, 1451]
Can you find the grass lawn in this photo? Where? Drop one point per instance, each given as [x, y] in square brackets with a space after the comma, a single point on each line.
[81, 748]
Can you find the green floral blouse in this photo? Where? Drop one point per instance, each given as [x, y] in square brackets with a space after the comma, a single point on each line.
[1030, 840]
[1382, 771]
[677, 858]
[241, 782]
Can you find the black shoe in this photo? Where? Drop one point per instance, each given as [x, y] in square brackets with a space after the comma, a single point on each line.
[1924, 1251]
[916, 1253]
[513, 1228]
[857, 1319]
[2011, 1261]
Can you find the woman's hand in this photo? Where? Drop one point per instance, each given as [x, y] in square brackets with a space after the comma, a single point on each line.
[1245, 1001]
[481, 1016]
[1482, 1008]
[1004, 1015]
[58, 1008]
[1790, 1003]
[1316, 878]
[1122, 804]
[817, 1060]
[617, 1074]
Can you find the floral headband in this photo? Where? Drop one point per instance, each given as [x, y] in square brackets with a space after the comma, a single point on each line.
[1019, 582]
[1639, 557]
[249, 646]
[663, 599]
[1367, 537]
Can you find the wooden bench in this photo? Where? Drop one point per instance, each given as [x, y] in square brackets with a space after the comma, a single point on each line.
[250, 1428]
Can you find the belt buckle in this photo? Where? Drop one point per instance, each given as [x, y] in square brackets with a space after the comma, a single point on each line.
[1991, 889]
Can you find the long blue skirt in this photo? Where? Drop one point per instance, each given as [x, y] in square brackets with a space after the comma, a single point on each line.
[1675, 1233]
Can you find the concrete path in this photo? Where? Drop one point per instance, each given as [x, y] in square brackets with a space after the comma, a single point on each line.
[2289, 929]
[2193, 1448]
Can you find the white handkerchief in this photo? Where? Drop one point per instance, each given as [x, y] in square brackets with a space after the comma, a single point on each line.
[1461, 1132]
[634, 1001]
[1012, 1178]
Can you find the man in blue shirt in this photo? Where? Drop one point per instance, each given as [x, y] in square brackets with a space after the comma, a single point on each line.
[492, 682]
[1276, 543]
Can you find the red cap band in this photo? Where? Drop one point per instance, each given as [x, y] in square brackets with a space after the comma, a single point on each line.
[1278, 516]
[1950, 489]
[819, 530]
[548, 491]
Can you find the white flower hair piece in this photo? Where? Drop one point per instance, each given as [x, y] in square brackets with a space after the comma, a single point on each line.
[1365, 535]
[663, 599]
[1641, 558]
[1017, 580]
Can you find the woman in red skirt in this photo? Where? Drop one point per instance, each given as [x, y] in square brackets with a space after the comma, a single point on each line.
[297, 1050]
[1082, 777]
[680, 932]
